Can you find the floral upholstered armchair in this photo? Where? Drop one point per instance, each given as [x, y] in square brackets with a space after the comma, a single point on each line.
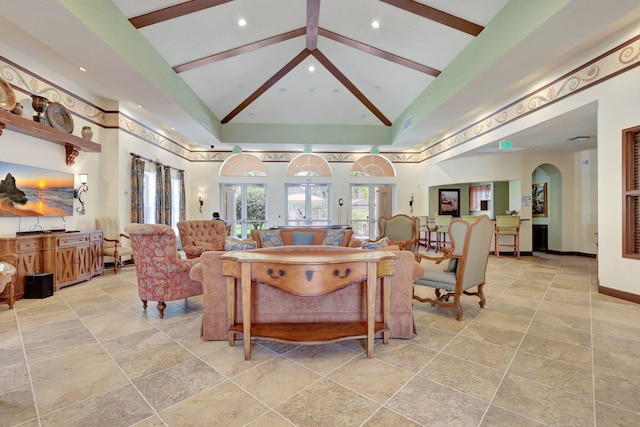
[162, 274]
[198, 236]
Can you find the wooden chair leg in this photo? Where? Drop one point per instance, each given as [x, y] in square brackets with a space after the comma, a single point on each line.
[144, 304]
[161, 307]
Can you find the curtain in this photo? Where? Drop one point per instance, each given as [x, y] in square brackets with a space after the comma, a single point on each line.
[159, 195]
[167, 195]
[183, 214]
[137, 189]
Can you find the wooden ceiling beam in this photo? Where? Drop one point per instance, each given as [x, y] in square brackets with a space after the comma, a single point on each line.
[239, 50]
[350, 86]
[378, 52]
[437, 16]
[268, 84]
[174, 11]
[313, 21]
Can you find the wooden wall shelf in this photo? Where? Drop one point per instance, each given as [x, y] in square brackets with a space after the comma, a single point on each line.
[73, 144]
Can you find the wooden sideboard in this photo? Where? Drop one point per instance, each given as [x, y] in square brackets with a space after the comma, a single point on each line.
[70, 257]
[308, 274]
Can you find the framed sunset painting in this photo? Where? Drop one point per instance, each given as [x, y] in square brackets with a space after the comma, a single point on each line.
[32, 191]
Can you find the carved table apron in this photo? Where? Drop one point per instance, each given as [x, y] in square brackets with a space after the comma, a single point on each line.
[308, 274]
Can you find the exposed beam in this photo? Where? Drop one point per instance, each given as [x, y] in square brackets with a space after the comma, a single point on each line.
[313, 20]
[239, 50]
[378, 52]
[174, 11]
[266, 85]
[437, 16]
[350, 86]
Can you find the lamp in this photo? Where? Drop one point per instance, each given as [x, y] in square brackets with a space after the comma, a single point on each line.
[200, 201]
[77, 193]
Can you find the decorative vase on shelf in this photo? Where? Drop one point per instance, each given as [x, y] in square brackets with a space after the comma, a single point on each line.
[39, 104]
[17, 109]
[87, 133]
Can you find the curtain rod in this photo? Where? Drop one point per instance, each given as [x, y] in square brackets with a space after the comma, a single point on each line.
[155, 161]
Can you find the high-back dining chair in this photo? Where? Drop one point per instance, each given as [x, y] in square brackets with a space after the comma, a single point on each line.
[467, 264]
[402, 230]
[116, 246]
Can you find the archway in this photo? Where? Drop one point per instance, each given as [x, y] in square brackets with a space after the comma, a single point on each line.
[546, 181]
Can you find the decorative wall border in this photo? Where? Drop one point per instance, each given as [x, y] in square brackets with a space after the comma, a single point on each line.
[622, 58]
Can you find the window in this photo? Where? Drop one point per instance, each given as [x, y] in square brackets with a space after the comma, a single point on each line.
[477, 195]
[175, 204]
[631, 193]
[149, 197]
[244, 207]
[307, 204]
[368, 203]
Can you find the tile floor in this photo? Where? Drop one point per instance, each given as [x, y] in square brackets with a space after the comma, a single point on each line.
[546, 350]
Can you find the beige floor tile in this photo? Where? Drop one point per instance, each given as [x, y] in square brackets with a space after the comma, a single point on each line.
[116, 323]
[177, 383]
[125, 345]
[79, 385]
[403, 354]
[484, 353]
[616, 364]
[543, 403]
[195, 344]
[270, 419]
[498, 417]
[326, 403]
[223, 405]
[433, 338]
[565, 334]
[613, 344]
[371, 377]
[493, 334]
[17, 407]
[620, 392]
[119, 407]
[47, 347]
[557, 350]
[629, 328]
[13, 377]
[463, 375]
[276, 380]
[505, 321]
[230, 360]
[611, 416]
[153, 359]
[433, 404]
[560, 319]
[67, 361]
[322, 358]
[387, 418]
[560, 375]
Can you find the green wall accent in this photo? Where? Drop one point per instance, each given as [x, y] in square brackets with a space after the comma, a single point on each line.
[108, 23]
[514, 22]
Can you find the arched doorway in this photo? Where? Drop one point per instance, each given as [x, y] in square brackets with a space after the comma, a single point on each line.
[546, 220]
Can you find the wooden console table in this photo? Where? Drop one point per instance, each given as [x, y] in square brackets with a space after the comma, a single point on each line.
[308, 274]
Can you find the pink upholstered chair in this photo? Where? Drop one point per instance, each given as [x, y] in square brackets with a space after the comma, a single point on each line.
[198, 236]
[162, 274]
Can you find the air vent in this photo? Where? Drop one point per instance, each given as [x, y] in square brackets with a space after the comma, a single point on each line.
[204, 121]
[407, 123]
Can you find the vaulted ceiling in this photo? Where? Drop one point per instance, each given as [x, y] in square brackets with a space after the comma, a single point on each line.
[429, 68]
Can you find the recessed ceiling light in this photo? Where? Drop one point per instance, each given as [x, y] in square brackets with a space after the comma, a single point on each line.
[375, 24]
[82, 69]
[283, 90]
[311, 90]
[242, 22]
[139, 106]
[252, 114]
[312, 68]
[336, 91]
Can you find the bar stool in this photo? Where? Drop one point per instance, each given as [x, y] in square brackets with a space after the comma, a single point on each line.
[507, 225]
[442, 228]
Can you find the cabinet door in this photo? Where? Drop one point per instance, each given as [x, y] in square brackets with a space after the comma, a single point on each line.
[66, 265]
[83, 262]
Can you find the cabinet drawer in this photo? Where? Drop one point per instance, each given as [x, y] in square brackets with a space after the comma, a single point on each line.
[96, 236]
[29, 245]
[72, 240]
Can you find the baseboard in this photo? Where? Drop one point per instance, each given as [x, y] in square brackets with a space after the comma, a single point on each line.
[572, 253]
[627, 296]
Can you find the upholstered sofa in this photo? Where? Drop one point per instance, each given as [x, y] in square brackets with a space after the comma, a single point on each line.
[316, 236]
[197, 236]
[273, 305]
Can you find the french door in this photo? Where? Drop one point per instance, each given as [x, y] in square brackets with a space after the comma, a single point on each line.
[368, 203]
[307, 204]
[244, 208]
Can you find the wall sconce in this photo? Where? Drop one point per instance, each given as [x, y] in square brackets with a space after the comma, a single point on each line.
[78, 192]
[411, 203]
[200, 201]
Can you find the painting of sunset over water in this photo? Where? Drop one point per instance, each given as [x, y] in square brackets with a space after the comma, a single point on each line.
[31, 191]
